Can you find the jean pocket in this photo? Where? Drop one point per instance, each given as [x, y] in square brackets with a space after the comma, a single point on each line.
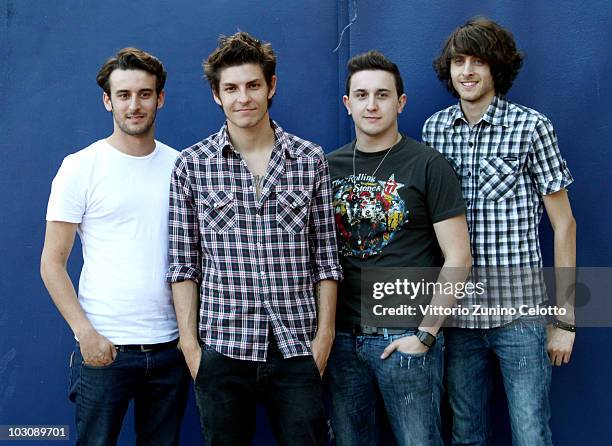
[100, 367]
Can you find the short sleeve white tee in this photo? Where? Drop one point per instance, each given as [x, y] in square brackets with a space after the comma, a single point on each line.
[120, 203]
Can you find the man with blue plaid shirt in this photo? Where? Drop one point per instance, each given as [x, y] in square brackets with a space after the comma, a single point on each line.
[507, 159]
[251, 225]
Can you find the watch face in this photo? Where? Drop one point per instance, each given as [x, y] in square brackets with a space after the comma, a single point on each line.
[426, 338]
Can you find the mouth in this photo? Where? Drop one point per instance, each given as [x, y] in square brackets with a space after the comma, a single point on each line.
[469, 84]
[245, 110]
[135, 117]
[371, 118]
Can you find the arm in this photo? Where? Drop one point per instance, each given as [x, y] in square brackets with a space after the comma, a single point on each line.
[184, 271]
[185, 296]
[452, 235]
[59, 239]
[325, 265]
[325, 295]
[559, 211]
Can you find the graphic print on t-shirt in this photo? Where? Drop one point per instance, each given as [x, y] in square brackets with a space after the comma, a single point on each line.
[368, 213]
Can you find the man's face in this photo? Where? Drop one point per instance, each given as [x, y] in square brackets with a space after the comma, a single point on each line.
[373, 102]
[133, 101]
[243, 94]
[471, 77]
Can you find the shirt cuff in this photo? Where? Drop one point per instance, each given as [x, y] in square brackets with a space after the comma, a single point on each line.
[180, 273]
[328, 273]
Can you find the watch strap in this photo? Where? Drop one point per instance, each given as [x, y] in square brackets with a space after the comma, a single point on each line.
[426, 338]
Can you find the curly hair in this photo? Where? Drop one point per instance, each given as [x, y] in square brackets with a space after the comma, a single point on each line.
[240, 48]
[132, 59]
[487, 40]
[373, 60]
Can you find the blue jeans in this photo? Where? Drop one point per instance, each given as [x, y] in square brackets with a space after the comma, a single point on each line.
[157, 381]
[521, 349]
[408, 386]
[291, 391]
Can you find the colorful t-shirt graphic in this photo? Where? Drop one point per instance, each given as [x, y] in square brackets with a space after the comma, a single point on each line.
[368, 212]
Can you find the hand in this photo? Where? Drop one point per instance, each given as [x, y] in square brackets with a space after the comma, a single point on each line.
[96, 350]
[193, 355]
[559, 345]
[321, 347]
[408, 344]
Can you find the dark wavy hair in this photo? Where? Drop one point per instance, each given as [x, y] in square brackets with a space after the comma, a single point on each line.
[132, 59]
[373, 60]
[240, 48]
[487, 40]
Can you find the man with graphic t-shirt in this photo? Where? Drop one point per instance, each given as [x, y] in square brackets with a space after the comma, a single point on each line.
[397, 204]
[115, 194]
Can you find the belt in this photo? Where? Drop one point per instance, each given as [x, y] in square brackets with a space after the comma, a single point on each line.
[357, 330]
[147, 347]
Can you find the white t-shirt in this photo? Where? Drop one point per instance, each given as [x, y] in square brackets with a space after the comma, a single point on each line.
[121, 205]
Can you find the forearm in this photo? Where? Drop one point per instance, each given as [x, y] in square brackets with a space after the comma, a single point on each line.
[186, 298]
[565, 272]
[455, 270]
[62, 292]
[326, 295]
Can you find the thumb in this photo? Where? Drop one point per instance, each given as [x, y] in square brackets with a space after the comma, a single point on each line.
[390, 349]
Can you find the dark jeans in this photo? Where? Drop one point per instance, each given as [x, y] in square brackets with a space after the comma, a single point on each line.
[291, 390]
[407, 386]
[521, 350]
[158, 383]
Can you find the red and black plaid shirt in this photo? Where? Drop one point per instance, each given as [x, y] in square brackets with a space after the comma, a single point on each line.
[256, 260]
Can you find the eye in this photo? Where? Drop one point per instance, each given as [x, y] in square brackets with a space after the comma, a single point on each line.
[229, 88]
[145, 94]
[457, 60]
[254, 85]
[360, 94]
[383, 95]
[479, 62]
[122, 96]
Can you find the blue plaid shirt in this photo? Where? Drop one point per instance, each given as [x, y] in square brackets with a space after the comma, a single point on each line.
[506, 162]
[256, 260]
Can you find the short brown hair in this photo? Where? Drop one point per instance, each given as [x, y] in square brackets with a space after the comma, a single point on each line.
[487, 40]
[132, 59]
[373, 60]
[241, 48]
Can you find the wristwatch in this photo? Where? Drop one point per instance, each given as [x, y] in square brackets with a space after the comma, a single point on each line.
[564, 326]
[426, 338]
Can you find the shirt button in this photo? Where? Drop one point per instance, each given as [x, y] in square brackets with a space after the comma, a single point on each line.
[469, 174]
[468, 203]
[258, 245]
[471, 144]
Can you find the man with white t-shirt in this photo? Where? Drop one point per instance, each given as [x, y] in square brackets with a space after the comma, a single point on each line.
[114, 193]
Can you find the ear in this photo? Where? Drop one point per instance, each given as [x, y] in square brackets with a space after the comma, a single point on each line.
[216, 97]
[108, 105]
[345, 101]
[161, 98]
[401, 103]
[272, 87]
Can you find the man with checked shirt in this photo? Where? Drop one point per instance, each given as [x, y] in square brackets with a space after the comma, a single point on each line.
[251, 223]
[507, 159]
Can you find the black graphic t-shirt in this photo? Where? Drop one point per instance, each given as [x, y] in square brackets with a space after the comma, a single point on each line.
[387, 220]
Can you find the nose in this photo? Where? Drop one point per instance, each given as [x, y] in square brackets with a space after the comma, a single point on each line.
[371, 105]
[134, 102]
[243, 97]
[467, 67]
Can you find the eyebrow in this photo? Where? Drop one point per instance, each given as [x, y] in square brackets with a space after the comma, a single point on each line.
[127, 91]
[379, 90]
[256, 79]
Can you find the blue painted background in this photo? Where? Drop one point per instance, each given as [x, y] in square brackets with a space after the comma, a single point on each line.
[50, 106]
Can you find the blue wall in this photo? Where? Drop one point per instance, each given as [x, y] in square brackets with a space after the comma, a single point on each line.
[50, 106]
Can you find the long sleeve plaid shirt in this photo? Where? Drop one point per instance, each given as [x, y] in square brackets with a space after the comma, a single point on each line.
[256, 260]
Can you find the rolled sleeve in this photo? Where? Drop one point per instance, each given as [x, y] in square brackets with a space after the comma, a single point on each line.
[546, 166]
[184, 252]
[325, 264]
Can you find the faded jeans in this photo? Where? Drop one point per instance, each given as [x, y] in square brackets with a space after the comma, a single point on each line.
[521, 349]
[407, 386]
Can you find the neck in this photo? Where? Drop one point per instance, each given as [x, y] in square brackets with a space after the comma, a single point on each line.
[377, 143]
[133, 145]
[252, 139]
[474, 110]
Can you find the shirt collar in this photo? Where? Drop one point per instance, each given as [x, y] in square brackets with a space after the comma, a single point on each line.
[496, 113]
[280, 138]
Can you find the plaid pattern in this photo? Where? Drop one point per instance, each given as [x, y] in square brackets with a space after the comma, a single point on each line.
[506, 163]
[256, 260]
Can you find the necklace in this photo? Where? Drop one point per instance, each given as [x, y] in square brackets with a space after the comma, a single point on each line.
[381, 161]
